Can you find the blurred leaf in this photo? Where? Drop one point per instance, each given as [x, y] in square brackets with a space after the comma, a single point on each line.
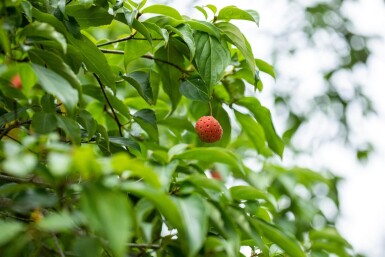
[86, 120]
[70, 127]
[57, 86]
[232, 12]
[9, 230]
[57, 222]
[130, 143]
[195, 89]
[212, 57]
[43, 122]
[108, 213]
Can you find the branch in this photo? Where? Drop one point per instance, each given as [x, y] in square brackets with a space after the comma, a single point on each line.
[117, 40]
[32, 180]
[61, 253]
[149, 246]
[109, 104]
[15, 125]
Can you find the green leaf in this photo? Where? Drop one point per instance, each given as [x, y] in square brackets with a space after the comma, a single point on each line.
[134, 49]
[202, 10]
[250, 193]
[43, 122]
[163, 9]
[9, 230]
[10, 116]
[108, 213]
[234, 13]
[42, 33]
[263, 116]
[57, 222]
[170, 75]
[254, 131]
[142, 30]
[195, 89]
[140, 80]
[160, 31]
[276, 235]
[213, 8]
[265, 67]
[147, 120]
[89, 17]
[86, 120]
[212, 57]
[70, 127]
[195, 222]
[204, 26]
[186, 33]
[213, 155]
[57, 86]
[131, 144]
[235, 37]
[95, 61]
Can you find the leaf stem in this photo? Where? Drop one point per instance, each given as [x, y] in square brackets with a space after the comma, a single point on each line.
[110, 105]
[117, 40]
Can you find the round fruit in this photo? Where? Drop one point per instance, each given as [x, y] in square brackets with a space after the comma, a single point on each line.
[16, 82]
[208, 129]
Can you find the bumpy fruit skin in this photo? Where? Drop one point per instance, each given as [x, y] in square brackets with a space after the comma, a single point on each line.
[208, 129]
[16, 82]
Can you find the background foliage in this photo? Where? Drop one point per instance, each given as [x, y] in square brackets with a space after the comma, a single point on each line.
[98, 153]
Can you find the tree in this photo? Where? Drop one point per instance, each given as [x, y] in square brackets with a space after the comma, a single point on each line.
[99, 156]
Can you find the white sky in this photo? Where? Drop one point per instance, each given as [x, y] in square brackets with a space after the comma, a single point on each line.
[362, 193]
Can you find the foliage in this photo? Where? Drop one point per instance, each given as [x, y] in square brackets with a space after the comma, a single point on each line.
[98, 153]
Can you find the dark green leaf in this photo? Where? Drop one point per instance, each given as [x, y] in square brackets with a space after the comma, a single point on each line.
[131, 144]
[70, 127]
[163, 9]
[263, 116]
[186, 33]
[195, 89]
[147, 120]
[134, 49]
[88, 17]
[140, 81]
[43, 122]
[204, 26]
[232, 12]
[88, 122]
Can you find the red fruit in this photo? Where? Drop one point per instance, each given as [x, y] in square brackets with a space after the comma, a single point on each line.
[215, 175]
[208, 129]
[16, 82]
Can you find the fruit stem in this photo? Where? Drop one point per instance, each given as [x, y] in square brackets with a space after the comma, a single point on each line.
[211, 109]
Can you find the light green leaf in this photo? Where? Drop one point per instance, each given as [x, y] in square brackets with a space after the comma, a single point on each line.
[265, 67]
[147, 120]
[43, 122]
[235, 37]
[41, 33]
[163, 9]
[276, 235]
[89, 17]
[213, 8]
[109, 214]
[70, 127]
[202, 10]
[57, 222]
[141, 82]
[251, 193]
[212, 155]
[254, 131]
[142, 30]
[160, 31]
[234, 13]
[212, 57]
[9, 230]
[195, 89]
[195, 222]
[204, 26]
[263, 116]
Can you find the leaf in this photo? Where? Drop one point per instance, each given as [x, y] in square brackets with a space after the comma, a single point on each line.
[57, 222]
[213, 155]
[204, 26]
[234, 13]
[186, 33]
[95, 60]
[142, 30]
[263, 116]
[195, 222]
[10, 116]
[212, 57]
[251, 193]
[9, 230]
[140, 80]
[134, 49]
[39, 32]
[265, 67]
[147, 120]
[57, 86]
[70, 127]
[213, 8]
[235, 36]
[277, 236]
[86, 120]
[254, 132]
[89, 17]
[163, 9]
[43, 122]
[195, 89]
[108, 212]
[202, 10]
[160, 31]
[131, 144]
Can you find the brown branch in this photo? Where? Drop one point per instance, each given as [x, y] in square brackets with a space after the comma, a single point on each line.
[110, 105]
[32, 180]
[117, 40]
[149, 246]
[15, 125]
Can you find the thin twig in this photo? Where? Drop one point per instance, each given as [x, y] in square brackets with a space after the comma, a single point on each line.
[15, 125]
[117, 40]
[32, 180]
[149, 246]
[61, 253]
[110, 105]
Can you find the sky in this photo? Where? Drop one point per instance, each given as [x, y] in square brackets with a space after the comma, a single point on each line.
[362, 219]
